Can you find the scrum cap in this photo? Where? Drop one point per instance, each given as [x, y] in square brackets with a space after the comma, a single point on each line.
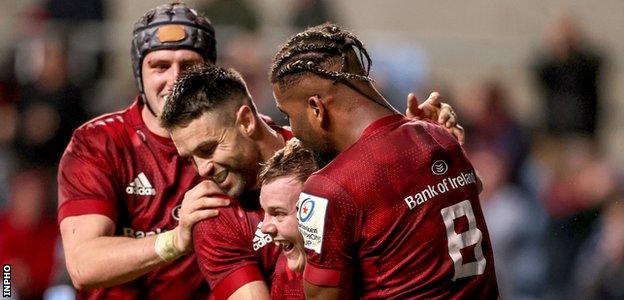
[171, 26]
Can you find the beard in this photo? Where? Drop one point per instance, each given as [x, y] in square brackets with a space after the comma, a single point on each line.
[238, 187]
[243, 170]
[318, 143]
[244, 189]
[322, 151]
[245, 179]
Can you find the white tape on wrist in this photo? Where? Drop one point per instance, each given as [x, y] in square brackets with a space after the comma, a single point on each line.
[165, 247]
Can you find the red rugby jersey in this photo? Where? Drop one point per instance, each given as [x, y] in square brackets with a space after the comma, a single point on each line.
[232, 250]
[116, 167]
[287, 284]
[397, 215]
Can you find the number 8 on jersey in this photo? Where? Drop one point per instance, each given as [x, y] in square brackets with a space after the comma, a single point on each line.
[456, 242]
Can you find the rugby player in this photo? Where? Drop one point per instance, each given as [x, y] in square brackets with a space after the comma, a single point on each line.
[394, 212]
[282, 178]
[122, 187]
[215, 125]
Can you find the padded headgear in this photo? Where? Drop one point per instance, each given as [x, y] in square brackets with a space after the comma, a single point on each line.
[171, 26]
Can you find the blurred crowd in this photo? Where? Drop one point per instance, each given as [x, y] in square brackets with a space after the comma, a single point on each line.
[552, 197]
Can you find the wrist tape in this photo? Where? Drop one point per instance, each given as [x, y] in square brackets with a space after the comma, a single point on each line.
[165, 247]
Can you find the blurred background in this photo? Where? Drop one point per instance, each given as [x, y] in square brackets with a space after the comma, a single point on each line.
[539, 86]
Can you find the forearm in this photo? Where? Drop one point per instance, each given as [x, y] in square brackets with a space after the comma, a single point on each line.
[95, 258]
[107, 261]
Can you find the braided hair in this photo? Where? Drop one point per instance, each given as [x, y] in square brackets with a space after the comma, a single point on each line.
[316, 50]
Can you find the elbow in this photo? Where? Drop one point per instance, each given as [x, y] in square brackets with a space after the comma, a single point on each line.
[77, 284]
[84, 283]
[77, 279]
[81, 280]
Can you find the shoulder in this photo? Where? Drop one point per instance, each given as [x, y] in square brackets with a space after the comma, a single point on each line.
[321, 184]
[104, 126]
[102, 134]
[427, 127]
[232, 224]
[226, 250]
[426, 135]
[320, 193]
[111, 125]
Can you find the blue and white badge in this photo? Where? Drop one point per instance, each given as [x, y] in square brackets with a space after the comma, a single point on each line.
[311, 214]
[306, 209]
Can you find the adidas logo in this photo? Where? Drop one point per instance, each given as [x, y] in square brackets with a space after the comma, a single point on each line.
[141, 186]
[260, 239]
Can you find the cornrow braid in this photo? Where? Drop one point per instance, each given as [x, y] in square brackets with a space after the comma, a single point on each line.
[324, 32]
[310, 48]
[316, 49]
[314, 67]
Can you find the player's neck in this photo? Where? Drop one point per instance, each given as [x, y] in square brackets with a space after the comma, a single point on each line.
[349, 129]
[268, 140]
[366, 105]
[152, 123]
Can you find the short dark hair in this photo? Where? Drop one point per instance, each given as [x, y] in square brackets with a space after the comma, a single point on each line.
[200, 89]
[292, 160]
[315, 50]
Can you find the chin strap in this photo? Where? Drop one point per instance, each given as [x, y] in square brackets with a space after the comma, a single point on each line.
[149, 107]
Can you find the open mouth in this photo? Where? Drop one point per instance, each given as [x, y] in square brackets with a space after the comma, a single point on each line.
[286, 246]
[220, 177]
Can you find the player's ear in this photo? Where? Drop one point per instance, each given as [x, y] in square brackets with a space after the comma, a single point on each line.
[318, 111]
[246, 121]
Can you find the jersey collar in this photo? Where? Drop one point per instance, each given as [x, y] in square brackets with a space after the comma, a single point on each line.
[379, 123]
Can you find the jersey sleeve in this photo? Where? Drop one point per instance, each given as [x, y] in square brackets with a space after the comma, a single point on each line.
[328, 223]
[86, 179]
[225, 253]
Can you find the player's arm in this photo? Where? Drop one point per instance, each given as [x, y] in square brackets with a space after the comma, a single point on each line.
[252, 290]
[95, 258]
[330, 224]
[435, 110]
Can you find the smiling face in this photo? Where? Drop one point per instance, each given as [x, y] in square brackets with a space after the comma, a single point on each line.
[220, 151]
[160, 69]
[278, 199]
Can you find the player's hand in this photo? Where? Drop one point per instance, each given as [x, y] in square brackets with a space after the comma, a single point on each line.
[434, 109]
[199, 203]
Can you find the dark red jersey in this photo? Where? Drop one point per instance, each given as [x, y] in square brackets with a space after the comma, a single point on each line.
[231, 249]
[397, 215]
[114, 166]
[287, 284]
